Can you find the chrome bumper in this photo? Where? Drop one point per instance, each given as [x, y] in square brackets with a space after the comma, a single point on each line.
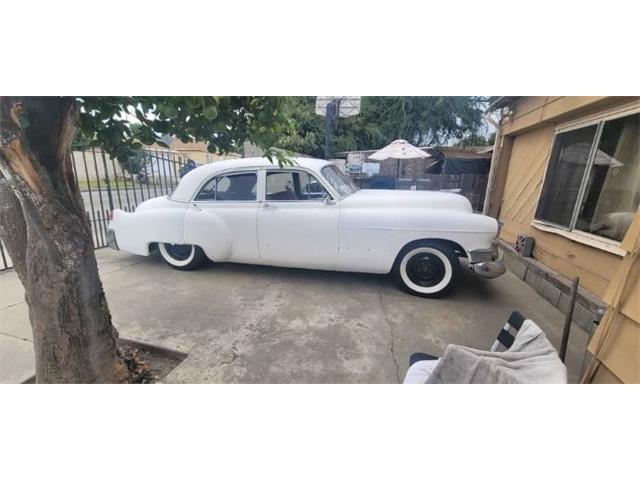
[491, 269]
[485, 262]
[484, 254]
[111, 240]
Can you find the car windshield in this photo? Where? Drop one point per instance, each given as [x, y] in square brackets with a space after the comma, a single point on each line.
[339, 181]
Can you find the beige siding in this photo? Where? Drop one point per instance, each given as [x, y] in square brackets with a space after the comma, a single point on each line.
[525, 175]
[616, 343]
[529, 135]
[534, 111]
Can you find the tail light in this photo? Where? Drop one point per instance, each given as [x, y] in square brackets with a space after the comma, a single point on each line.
[110, 215]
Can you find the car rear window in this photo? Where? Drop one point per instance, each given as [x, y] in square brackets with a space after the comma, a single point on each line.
[232, 187]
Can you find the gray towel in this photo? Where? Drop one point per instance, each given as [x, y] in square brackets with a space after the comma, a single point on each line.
[531, 359]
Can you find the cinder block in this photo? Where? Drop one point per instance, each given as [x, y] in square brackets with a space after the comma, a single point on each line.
[550, 292]
[563, 303]
[583, 317]
[533, 279]
[517, 267]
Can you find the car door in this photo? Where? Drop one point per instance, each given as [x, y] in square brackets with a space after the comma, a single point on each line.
[297, 227]
[222, 217]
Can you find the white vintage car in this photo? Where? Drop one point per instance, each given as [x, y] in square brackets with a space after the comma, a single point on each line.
[310, 215]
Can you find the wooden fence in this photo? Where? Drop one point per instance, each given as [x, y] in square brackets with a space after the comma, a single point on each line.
[471, 185]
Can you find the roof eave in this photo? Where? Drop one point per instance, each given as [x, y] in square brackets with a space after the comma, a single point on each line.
[496, 103]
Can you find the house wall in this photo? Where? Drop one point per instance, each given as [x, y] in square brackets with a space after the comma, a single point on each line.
[203, 156]
[196, 151]
[616, 343]
[525, 176]
[531, 129]
[89, 165]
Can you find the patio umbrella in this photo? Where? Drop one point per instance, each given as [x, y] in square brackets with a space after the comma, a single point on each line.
[400, 150]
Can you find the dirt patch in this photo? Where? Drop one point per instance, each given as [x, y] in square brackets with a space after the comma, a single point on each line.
[147, 363]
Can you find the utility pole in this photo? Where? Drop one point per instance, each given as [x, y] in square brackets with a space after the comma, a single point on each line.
[332, 108]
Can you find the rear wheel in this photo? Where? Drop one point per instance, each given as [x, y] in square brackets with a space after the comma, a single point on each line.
[427, 269]
[182, 257]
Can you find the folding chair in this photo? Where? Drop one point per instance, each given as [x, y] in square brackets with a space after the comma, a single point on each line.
[503, 342]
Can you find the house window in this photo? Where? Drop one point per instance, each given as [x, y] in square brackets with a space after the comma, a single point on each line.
[593, 178]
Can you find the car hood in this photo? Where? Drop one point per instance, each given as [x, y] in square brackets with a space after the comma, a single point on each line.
[407, 199]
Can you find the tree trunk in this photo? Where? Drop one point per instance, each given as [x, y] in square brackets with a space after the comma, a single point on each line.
[45, 228]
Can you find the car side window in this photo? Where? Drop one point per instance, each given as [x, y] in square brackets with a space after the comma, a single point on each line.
[291, 185]
[231, 187]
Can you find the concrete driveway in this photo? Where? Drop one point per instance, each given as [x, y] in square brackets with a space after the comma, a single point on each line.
[250, 324]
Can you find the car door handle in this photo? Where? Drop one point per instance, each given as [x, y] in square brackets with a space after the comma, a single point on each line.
[268, 205]
[195, 206]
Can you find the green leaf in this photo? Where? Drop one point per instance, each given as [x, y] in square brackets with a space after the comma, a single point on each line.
[193, 102]
[168, 109]
[210, 112]
[222, 122]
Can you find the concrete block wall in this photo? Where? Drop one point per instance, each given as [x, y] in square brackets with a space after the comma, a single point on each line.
[553, 287]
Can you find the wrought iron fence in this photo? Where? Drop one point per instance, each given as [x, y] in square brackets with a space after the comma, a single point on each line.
[106, 184]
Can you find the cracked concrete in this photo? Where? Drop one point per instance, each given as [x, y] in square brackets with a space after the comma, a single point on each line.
[391, 337]
[250, 324]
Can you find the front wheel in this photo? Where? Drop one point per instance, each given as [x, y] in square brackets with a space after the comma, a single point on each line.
[182, 257]
[427, 269]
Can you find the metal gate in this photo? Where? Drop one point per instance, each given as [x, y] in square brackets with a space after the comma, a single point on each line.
[106, 184]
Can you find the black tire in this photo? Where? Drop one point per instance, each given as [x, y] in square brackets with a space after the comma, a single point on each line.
[427, 268]
[182, 257]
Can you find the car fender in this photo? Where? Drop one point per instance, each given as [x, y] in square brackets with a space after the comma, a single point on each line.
[135, 231]
[209, 231]
[371, 238]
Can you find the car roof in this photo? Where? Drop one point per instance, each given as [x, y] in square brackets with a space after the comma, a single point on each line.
[192, 180]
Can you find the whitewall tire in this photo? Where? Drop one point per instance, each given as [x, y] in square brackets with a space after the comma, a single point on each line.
[427, 269]
[181, 257]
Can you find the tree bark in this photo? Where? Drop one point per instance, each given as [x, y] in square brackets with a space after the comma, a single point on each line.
[47, 234]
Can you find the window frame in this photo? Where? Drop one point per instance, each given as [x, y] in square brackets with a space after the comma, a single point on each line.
[332, 189]
[228, 173]
[571, 232]
[311, 174]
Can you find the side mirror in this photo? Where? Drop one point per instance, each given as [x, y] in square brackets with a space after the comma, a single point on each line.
[327, 200]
